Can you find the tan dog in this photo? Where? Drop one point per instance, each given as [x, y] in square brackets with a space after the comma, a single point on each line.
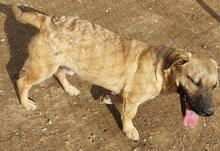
[136, 70]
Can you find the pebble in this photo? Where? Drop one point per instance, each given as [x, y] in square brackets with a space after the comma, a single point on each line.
[108, 9]
[49, 122]
[92, 135]
[204, 46]
[67, 142]
[17, 133]
[92, 138]
[2, 91]
[43, 139]
[44, 129]
[2, 39]
[57, 117]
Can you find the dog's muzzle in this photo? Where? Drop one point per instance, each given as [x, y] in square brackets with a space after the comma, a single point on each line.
[201, 103]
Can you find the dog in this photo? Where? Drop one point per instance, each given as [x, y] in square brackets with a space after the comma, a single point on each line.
[137, 71]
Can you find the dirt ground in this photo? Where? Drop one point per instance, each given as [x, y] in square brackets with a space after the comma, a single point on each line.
[65, 123]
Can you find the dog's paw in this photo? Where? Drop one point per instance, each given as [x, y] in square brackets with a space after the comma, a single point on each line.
[132, 134]
[29, 105]
[72, 91]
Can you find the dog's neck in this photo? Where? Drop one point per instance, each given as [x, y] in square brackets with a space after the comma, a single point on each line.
[162, 52]
[168, 83]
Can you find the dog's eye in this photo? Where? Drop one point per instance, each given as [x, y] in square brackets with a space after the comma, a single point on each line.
[214, 86]
[198, 84]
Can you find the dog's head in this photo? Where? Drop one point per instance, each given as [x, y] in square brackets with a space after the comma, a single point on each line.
[194, 77]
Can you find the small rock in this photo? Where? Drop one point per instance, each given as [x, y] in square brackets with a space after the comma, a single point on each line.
[56, 117]
[92, 135]
[2, 39]
[49, 122]
[92, 138]
[44, 129]
[108, 9]
[43, 139]
[67, 142]
[204, 46]
[2, 91]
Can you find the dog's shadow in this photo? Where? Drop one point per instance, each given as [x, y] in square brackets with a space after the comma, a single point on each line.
[98, 91]
[18, 35]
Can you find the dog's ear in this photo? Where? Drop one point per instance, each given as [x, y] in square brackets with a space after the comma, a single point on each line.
[176, 57]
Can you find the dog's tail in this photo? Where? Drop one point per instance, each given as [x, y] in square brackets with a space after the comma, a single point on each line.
[34, 18]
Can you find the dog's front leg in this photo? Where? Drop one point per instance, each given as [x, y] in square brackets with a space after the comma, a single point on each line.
[128, 113]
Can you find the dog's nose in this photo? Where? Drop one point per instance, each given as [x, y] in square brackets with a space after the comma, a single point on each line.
[208, 111]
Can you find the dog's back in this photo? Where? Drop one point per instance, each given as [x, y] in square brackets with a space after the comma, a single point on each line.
[96, 54]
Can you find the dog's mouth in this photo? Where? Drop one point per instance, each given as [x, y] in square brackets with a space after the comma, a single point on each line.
[190, 117]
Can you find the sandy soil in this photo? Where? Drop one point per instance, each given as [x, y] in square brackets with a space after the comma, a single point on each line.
[66, 123]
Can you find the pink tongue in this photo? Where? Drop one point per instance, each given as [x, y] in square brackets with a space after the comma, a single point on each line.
[191, 118]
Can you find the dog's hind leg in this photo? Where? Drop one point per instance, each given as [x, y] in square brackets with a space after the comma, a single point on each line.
[39, 70]
[69, 88]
